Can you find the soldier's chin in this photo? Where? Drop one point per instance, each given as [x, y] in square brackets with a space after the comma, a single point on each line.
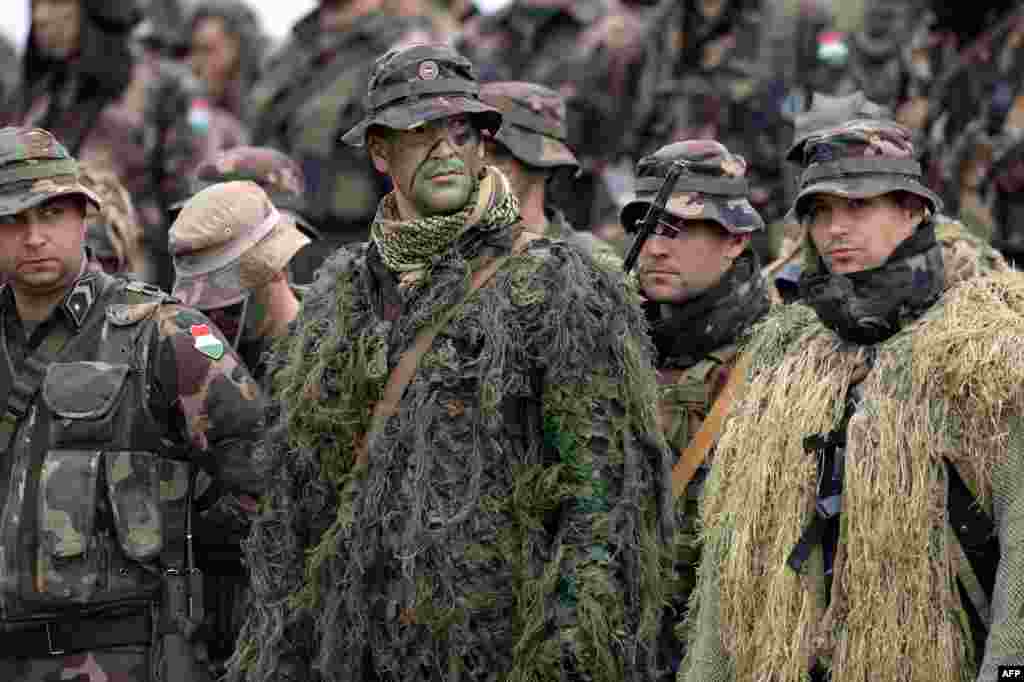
[446, 200]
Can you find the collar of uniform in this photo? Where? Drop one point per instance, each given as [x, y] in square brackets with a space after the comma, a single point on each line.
[76, 303]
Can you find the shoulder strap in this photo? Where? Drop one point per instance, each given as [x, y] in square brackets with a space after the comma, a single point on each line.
[697, 451]
[404, 371]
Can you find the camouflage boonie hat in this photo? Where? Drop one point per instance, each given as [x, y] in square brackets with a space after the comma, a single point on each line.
[828, 113]
[712, 186]
[860, 159]
[533, 124]
[278, 174]
[411, 86]
[228, 239]
[34, 168]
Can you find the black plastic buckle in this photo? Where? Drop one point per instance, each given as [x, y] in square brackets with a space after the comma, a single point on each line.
[51, 647]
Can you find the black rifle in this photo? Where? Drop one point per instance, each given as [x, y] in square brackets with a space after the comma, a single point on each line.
[651, 219]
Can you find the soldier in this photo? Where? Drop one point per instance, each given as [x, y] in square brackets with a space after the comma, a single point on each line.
[587, 51]
[284, 182]
[861, 514]
[530, 148]
[227, 51]
[86, 81]
[310, 95]
[115, 397]
[704, 290]
[471, 478]
[231, 250]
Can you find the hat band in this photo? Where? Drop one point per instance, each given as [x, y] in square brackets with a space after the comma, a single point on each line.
[36, 171]
[726, 187]
[442, 86]
[833, 170]
[524, 118]
[234, 250]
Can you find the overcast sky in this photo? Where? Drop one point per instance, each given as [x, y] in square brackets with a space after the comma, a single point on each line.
[278, 15]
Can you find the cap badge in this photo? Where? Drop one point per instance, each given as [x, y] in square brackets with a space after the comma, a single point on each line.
[428, 70]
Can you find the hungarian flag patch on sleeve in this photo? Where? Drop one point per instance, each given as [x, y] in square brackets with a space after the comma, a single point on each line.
[206, 343]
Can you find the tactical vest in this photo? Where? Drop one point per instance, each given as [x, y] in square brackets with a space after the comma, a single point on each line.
[95, 504]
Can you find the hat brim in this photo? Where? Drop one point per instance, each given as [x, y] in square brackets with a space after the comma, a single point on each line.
[864, 187]
[408, 115]
[735, 214]
[536, 149]
[230, 284]
[30, 194]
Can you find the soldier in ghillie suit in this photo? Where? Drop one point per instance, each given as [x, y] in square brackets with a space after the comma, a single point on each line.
[703, 289]
[311, 93]
[282, 179]
[530, 149]
[115, 397]
[862, 514]
[470, 481]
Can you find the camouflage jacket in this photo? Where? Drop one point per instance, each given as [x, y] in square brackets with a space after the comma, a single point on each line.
[310, 94]
[504, 515]
[600, 251]
[94, 486]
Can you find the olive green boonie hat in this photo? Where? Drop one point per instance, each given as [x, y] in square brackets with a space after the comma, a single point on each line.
[860, 159]
[712, 186]
[229, 239]
[533, 126]
[414, 85]
[34, 168]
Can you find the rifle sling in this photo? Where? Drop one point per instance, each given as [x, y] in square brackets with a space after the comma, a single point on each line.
[697, 451]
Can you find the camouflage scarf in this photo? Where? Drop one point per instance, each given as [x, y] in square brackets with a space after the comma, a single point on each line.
[870, 306]
[714, 319]
[408, 247]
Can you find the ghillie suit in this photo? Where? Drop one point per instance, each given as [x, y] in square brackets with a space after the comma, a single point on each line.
[505, 521]
[914, 374]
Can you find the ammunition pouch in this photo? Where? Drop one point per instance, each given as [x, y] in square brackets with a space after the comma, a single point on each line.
[114, 625]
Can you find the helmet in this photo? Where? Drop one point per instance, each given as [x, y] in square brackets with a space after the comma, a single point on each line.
[34, 168]
[712, 186]
[413, 85]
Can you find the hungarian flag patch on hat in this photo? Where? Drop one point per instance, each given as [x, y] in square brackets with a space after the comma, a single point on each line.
[206, 343]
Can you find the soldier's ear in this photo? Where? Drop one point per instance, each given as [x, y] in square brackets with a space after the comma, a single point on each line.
[378, 148]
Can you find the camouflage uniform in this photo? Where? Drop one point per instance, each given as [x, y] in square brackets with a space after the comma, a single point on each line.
[309, 95]
[702, 80]
[495, 524]
[864, 427]
[112, 405]
[146, 118]
[533, 131]
[282, 179]
[697, 340]
[588, 51]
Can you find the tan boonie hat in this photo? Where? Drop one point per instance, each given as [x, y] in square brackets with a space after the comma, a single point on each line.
[229, 239]
[712, 186]
[34, 168]
[533, 126]
[414, 85]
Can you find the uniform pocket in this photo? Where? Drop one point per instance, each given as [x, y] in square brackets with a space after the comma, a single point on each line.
[68, 565]
[82, 397]
[134, 490]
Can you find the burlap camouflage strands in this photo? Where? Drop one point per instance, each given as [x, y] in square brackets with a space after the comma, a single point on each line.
[227, 240]
[533, 126]
[279, 175]
[712, 186]
[860, 159]
[409, 87]
[34, 168]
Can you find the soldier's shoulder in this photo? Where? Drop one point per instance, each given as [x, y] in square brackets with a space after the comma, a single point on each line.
[965, 255]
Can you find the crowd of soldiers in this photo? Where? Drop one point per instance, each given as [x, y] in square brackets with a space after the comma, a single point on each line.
[603, 340]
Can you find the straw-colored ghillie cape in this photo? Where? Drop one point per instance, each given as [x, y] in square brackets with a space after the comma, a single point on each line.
[509, 523]
[950, 385]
